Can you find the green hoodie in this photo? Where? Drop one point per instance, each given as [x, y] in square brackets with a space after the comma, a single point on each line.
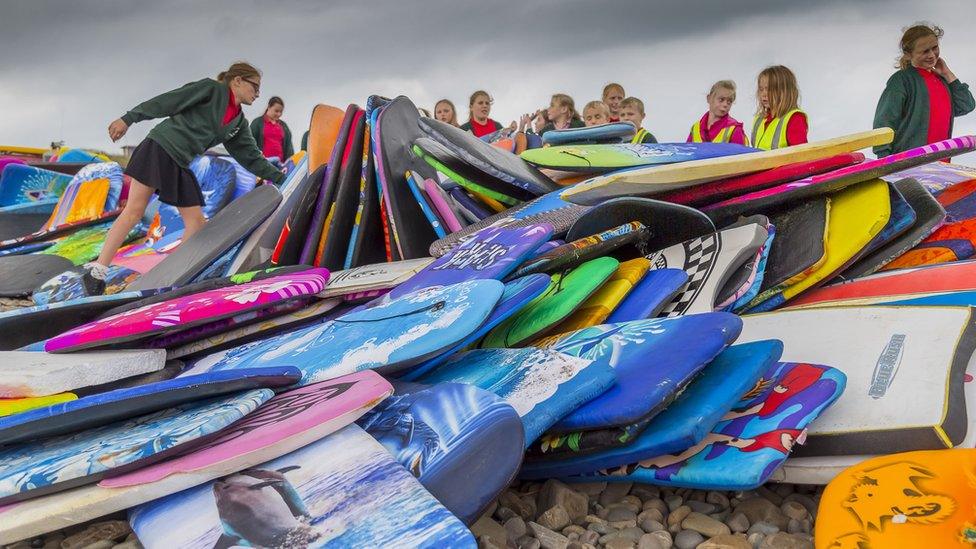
[257, 130]
[904, 107]
[194, 114]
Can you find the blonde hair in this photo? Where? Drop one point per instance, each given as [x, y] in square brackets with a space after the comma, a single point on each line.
[724, 85]
[242, 69]
[564, 100]
[453, 121]
[475, 96]
[613, 86]
[598, 105]
[910, 36]
[633, 102]
[781, 88]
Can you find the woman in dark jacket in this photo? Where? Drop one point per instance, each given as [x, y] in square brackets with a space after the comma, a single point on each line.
[271, 133]
[921, 100]
[199, 115]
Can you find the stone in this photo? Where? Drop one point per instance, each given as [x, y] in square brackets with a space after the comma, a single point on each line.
[594, 519]
[631, 534]
[547, 538]
[492, 507]
[590, 488]
[756, 539]
[485, 526]
[701, 507]
[129, 544]
[573, 529]
[602, 529]
[516, 528]
[688, 539]
[650, 541]
[619, 543]
[673, 502]
[726, 541]
[652, 526]
[488, 542]
[761, 509]
[621, 516]
[718, 498]
[783, 490]
[555, 493]
[556, 518]
[782, 540]
[589, 537]
[514, 502]
[615, 492]
[738, 523]
[101, 544]
[704, 525]
[110, 530]
[675, 518]
[665, 538]
[646, 492]
[772, 496]
[528, 542]
[658, 504]
[721, 515]
[804, 500]
[504, 514]
[794, 510]
[651, 514]
[763, 528]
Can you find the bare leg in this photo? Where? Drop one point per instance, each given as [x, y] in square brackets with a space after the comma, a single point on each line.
[135, 208]
[193, 220]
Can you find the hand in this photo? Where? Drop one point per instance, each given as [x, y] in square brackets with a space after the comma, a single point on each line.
[117, 129]
[942, 69]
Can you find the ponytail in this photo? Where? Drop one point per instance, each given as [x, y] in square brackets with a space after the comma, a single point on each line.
[242, 69]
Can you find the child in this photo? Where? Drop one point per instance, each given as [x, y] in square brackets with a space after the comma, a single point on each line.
[779, 122]
[271, 133]
[921, 100]
[596, 113]
[716, 125]
[445, 112]
[561, 114]
[632, 110]
[197, 116]
[613, 94]
[479, 108]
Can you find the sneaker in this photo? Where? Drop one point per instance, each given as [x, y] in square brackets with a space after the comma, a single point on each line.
[91, 285]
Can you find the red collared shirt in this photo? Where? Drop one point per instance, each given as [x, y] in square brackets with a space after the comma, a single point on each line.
[232, 109]
[940, 106]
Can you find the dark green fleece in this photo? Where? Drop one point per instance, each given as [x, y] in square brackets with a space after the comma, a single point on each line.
[194, 114]
[904, 107]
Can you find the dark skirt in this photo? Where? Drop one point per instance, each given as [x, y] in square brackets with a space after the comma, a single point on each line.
[152, 166]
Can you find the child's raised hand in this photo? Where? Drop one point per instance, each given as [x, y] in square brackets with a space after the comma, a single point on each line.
[117, 129]
[942, 69]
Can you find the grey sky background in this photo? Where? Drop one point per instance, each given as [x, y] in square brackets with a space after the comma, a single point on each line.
[67, 69]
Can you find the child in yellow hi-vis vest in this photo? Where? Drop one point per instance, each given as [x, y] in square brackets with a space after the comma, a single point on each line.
[779, 122]
[717, 125]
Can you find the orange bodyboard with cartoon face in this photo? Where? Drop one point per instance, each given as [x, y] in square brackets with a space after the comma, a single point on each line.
[913, 499]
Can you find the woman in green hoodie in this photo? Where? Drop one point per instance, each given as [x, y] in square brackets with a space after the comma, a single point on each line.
[198, 116]
[923, 97]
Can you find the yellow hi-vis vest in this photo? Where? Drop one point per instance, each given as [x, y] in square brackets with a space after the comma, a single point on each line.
[639, 136]
[723, 136]
[772, 135]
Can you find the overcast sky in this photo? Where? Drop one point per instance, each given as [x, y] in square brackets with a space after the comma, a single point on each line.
[69, 68]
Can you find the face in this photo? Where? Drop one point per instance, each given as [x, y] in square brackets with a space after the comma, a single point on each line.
[247, 89]
[629, 113]
[481, 107]
[926, 52]
[274, 112]
[443, 112]
[720, 102]
[613, 99]
[764, 92]
[594, 117]
[556, 110]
